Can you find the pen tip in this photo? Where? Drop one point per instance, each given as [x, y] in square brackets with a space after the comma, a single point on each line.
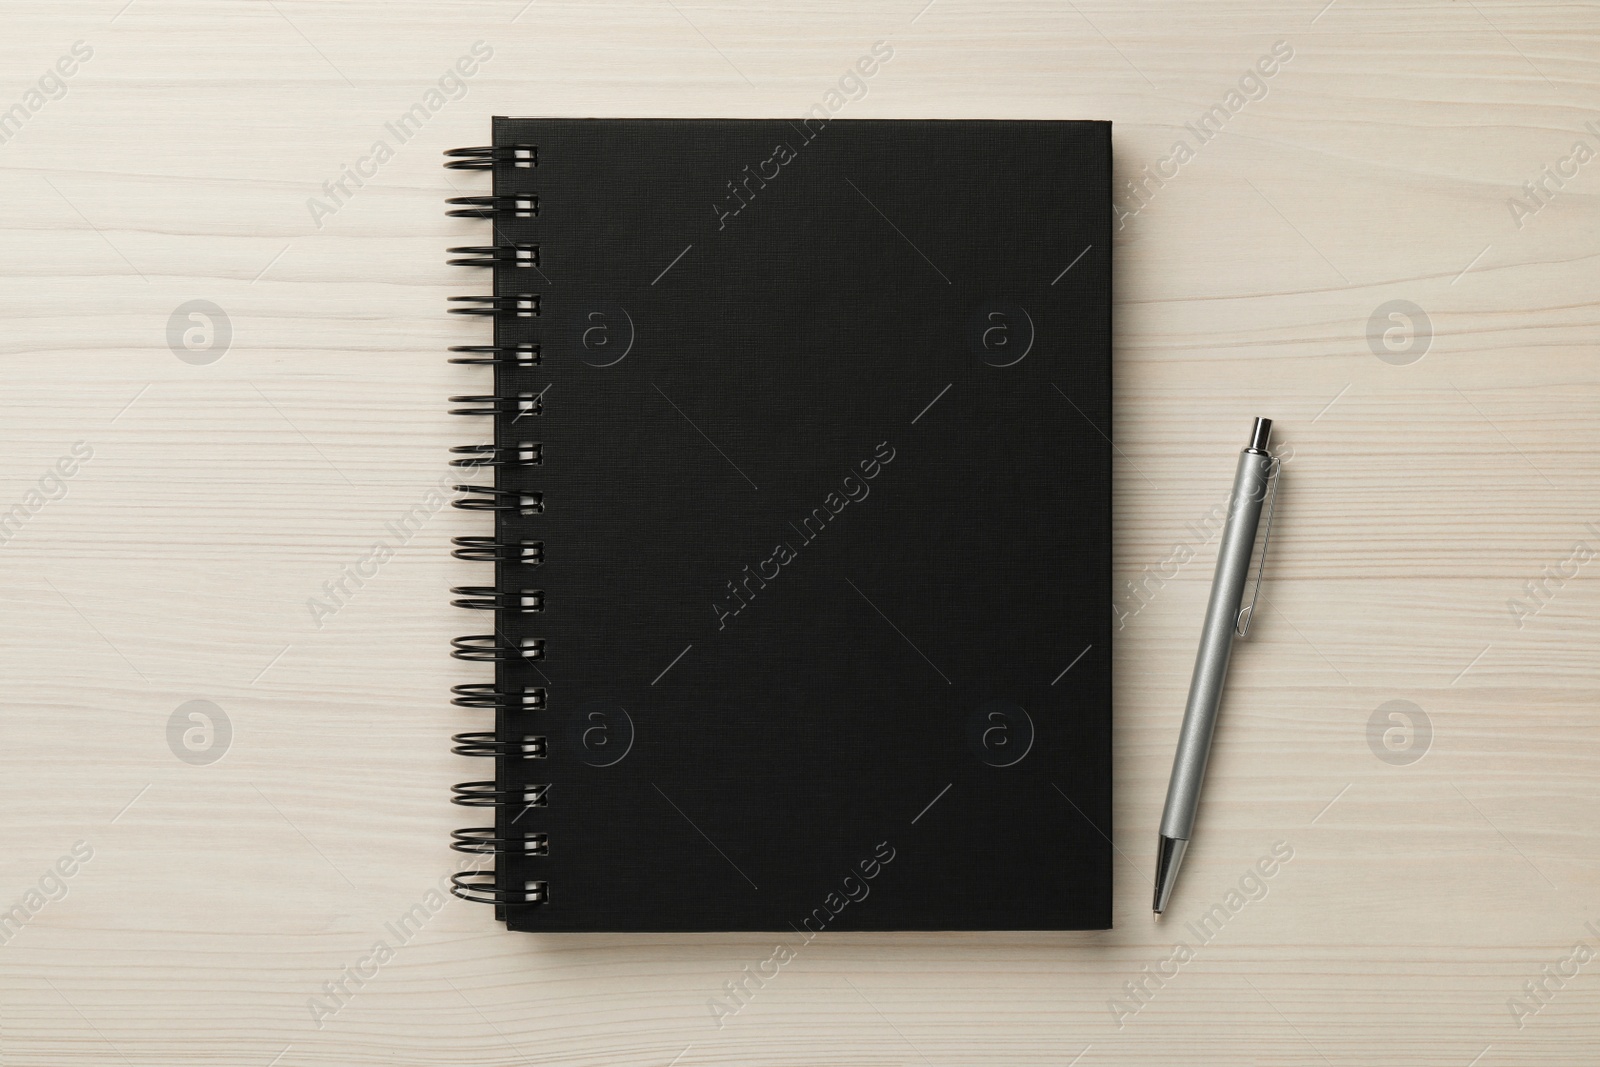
[1169, 856]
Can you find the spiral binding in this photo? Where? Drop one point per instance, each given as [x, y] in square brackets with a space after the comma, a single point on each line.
[492, 648]
[490, 744]
[483, 839]
[485, 158]
[528, 454]
[487, 696]
[493, 255]
[523, 354]
[509, 458]
[488, 598]
[494, 207]
[489, 550]
[523, 305]
[493, 498]
[520, 405]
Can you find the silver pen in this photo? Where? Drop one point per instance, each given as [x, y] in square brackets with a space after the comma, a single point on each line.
[1224, 619]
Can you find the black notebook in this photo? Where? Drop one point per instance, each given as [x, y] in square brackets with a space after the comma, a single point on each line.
[795, 482]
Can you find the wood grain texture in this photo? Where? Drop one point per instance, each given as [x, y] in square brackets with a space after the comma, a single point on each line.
[1420, 500]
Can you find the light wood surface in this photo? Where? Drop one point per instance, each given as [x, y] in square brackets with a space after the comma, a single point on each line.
[1420, 499]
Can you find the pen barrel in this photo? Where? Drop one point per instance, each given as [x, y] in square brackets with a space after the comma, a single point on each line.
[1216, 643]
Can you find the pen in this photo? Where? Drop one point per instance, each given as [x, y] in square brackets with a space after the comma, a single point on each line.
[1224, 619]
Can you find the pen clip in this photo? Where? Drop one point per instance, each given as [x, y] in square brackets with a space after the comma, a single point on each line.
[1241, 624]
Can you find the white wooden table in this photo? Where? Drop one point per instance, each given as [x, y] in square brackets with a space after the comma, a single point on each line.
[1340, 249]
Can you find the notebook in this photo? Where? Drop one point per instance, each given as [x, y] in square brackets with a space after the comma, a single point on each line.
[794, 480]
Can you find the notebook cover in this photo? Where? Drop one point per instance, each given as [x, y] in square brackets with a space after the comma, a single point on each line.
[826, 483]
